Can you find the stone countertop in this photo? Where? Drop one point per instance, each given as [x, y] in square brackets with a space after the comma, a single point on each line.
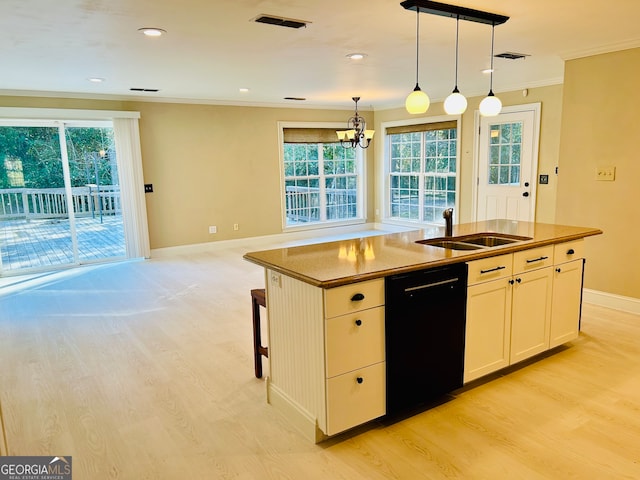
[332, 264]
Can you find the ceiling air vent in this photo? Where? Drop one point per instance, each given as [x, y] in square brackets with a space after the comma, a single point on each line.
[512, 55]
[280, 21]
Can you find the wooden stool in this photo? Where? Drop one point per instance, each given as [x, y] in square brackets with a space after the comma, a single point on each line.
[258, 299]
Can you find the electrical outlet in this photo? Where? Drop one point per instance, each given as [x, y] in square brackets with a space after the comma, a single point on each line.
[276, 279]
[213, 229]
[607, 174]
[236, 226]
[544, 179]
[148, 188]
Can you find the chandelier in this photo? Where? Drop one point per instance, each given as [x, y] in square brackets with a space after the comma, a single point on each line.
[357, 134]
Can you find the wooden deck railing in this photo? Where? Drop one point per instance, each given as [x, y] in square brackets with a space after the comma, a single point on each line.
[42, 203]
[303, 204]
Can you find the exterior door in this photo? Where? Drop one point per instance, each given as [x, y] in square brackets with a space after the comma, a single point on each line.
[508, 165]
[59, 196]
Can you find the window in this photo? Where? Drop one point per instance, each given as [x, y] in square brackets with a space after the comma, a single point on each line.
[322, 179]
[505, 145]
[422, 171]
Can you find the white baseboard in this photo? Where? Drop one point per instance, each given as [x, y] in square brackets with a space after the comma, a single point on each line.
[610, 300]
[279, 240]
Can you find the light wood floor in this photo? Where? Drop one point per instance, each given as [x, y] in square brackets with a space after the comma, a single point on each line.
[143, 370]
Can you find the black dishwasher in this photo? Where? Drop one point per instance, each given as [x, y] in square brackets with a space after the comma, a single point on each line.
[425, 313]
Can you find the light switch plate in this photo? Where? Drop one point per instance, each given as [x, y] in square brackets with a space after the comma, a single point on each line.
[607, 174]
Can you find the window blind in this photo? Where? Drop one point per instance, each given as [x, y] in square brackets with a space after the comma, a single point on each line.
[310, 135]
[422, 127]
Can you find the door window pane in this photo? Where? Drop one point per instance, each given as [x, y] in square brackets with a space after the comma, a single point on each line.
[505, 150]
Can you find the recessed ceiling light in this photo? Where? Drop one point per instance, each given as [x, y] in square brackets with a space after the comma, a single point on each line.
[96, 79]
[488, 70]
[356, 56]
[152, 31]
[243, 89]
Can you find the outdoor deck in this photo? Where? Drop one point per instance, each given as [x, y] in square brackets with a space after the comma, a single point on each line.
[42, 244]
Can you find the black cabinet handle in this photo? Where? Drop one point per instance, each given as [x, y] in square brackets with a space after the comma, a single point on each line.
[518, 280]
[492, 270]
[512, 281]
[525, 194]
[359, 379]
[571, 251]
[536, 259]
[357, 297]
[558, 270]
[358, 322]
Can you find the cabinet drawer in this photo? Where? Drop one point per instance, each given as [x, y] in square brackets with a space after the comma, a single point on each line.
[567, 251]
[354, 297]
[490, 268]
[532, 259]
[355, 398]
[354, 341]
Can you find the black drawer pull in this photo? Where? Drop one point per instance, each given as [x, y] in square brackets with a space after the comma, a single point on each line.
[492, 269]
[357, 297]
[359, 379]
[518, 280]
[358, 322]
[571, 251]
[558, 269]
[536, 259]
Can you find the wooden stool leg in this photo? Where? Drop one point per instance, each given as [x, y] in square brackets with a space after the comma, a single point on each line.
[258, 299]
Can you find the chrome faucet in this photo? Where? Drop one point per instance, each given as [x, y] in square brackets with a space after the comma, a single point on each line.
[448, 218]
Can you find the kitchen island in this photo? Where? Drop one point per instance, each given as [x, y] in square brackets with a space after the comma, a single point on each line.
[328, 365]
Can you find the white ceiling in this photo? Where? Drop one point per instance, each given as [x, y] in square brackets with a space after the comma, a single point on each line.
[212, 48]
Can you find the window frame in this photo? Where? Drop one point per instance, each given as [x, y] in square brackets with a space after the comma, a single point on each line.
[361, 181]
[385, 171]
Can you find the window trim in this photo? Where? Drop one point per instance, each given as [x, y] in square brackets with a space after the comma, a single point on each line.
[384, 162]
[361, 159]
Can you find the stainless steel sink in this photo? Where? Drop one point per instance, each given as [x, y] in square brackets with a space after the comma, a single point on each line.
[451, 245]
[474, 241]
[492, 239]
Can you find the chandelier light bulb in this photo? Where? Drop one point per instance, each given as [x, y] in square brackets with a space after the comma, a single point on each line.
[455, 104]
[490, 106]
[417, 101]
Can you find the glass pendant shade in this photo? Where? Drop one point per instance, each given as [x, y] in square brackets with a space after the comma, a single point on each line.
[417, 101]
[490, 106]
[455, 104]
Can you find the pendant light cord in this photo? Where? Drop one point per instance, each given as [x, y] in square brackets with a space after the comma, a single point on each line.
[417, 41]
[457, 32]
[493, 29]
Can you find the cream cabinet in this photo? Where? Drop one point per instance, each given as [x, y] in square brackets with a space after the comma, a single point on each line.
[522, 304]
[508, 310]
[326, 353]
[531, 303]
[354, 354]
[567, 292]
[488, 324]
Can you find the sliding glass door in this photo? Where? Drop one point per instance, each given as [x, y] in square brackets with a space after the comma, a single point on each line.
[59, 195]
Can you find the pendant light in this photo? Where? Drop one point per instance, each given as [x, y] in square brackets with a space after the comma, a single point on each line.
[456, 103]
[417, 101]
[491, 105]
